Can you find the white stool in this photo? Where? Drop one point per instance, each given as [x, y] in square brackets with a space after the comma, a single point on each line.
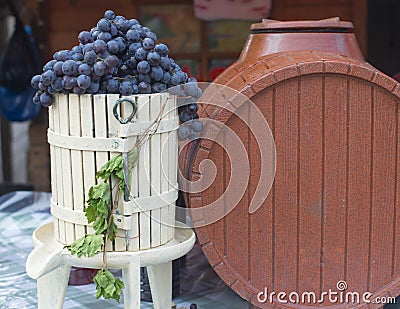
[50, 264]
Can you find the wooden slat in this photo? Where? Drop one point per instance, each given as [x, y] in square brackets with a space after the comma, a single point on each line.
[310, 183]
[112, 128]
[359, 178]
[383, 170]
[396, 217]
[66, 167]
[76, 161]
[335, 204]
[285, 214]
[155, 172]
[143, 114]
[88, 157]
[53, 171]
[172, 164]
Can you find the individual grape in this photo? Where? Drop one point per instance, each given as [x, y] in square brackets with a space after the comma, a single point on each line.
[78, 90]
[140, 54]
[95, 78]
[99, 68]
[109, 14]
[69, 82]
[132, 35]
[70, 68]
[104, 25]
[131, 63]
[123, 70]
[184, 116]
[133, 48]
[176, 90]
[196, 125]
[166, 78]
[135, 89]
[105, 36]
[36, 99]
[161, 49]
[183, 132]
[41, 86]
[193, 306]
[90, 57]
[113, 47]
[157, 73]
[126, 88]
[112, 85]
[99, 46]
[48, 77]
[153, 58]
[77, 57]
[148, 43]
[46, 99]
[199, 93]
[35, 81]
[123, 25]
[145, 78]
[58, 68]
[165, 63]
[62, 55]
[191, 87]
[113, 31]
[85, 37]
[87, 47]
[158, 87]
[49, 65]
[192, 134]
[57, 85]
[150, 35]
[121, 44]
[144, 88]
[133, 22]
[133, 80]
[83, 81]
[76, 50]
[93, 88]
[175, 80]
[111, 61]
[192, 108]
[84, 69]
[143, 67]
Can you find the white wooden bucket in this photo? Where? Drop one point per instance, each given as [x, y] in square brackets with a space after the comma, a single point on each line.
[83, 135]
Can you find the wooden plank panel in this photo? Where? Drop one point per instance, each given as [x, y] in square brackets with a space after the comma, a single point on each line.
[359, 179]
[261, 222]
[112, 130]
[143, 114]
[66, 167]
[172, 165]
[396, 217]
[310, 183]
[88, 157]
[383, 199]
[286, 134]
[334, 223]
[155, 172]
[237, 219]
[53, 171]
[76, 161]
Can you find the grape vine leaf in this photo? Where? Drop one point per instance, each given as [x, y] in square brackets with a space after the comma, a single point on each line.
[88, 245]
[107, 285]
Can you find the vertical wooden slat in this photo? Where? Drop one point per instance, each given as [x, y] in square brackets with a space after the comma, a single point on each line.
[384, 158]
[88, 157]
[76, 161]
[66, 167]
[134, 192]
[53, 171]
[286, 135]
[143, 114]
[396, 217]
[164, 180]
[155, 172]
[359, 184]
[335, 181]
[310, 170]
[260, 249]
[112, 128]
[172, 164]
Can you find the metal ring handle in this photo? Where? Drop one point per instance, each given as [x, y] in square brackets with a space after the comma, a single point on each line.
[129, 118]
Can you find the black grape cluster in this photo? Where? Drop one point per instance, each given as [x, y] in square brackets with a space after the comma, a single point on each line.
[120, 56]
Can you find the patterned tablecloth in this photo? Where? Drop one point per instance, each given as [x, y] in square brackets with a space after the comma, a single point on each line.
[22, 212]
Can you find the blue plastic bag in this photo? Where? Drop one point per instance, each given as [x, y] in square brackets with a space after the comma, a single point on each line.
[18, 105]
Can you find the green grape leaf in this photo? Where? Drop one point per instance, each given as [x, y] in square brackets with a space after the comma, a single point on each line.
[107, 285]
[91, 214]
[110, 167]
[100, 225]
[88, 245]
[112, 230]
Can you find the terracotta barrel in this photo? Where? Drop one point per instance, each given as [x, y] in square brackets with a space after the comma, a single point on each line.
[332, 215]
[83, 135]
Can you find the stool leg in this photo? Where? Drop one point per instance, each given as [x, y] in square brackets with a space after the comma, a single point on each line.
[52, 287]
[131, 277]
[160, 279]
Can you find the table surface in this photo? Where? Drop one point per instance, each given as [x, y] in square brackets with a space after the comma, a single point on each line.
[22, 212]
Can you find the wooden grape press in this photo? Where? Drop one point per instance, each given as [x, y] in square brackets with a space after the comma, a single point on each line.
[85, 131]
[333, 213]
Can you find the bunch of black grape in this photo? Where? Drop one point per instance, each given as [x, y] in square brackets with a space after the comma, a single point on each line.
[119, 55]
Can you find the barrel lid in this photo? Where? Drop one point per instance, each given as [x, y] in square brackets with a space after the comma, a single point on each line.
[325, 25]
